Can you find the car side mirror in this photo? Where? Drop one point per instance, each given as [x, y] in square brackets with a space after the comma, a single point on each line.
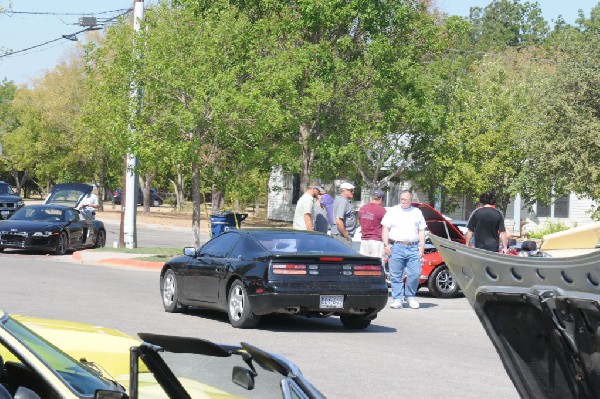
[243, 377]
[190, 251]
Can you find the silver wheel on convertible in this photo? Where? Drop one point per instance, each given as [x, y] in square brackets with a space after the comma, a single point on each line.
[239, 309]
[62, 244]
[170, 295]
[441, 283]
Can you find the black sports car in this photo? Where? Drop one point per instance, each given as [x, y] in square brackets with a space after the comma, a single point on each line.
[52, 227]
[542, 315]
[249, 273]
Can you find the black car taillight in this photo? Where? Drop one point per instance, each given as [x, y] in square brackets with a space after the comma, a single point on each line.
[287, 268]
[368, 270]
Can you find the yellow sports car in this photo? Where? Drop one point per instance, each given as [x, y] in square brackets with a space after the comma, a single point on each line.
[38, 360]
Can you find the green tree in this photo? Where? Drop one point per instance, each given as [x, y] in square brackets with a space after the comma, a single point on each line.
[507, 23]
[564, 140]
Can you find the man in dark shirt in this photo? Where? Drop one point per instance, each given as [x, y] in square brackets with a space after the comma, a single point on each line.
[486, 225]
[369, 216]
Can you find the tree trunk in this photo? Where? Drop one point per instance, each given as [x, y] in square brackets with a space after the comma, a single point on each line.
[218, 198]
[196, 195]
[180, 191]
[145, 184]
[308, 157]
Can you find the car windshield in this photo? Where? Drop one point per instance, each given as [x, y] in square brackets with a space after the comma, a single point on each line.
[5, 189]
[38, 214]
[299, 242]
[81, 379]
[205, 369]
[67, 194]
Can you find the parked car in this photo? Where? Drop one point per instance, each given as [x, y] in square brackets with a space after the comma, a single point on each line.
[250, 273]
[541, 313]
[9, 201]
[434, 272]
[55, 226]
[37, 360]
[155, 198]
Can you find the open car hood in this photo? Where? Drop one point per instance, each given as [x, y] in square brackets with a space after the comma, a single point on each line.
[69, 194]
[438, 224]
[542, 315]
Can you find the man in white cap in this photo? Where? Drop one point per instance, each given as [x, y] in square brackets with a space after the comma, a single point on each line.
[304, 207]
[344, 216]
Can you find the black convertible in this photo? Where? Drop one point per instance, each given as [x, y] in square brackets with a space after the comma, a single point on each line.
[249, 273]
[55, 226]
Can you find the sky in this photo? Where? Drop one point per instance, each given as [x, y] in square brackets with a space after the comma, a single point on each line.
[21, 31]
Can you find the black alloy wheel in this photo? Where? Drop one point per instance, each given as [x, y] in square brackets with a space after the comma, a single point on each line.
[62, 244]
[100, 239]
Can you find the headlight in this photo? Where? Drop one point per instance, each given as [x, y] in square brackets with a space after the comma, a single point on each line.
[42, 234]
[20, 204]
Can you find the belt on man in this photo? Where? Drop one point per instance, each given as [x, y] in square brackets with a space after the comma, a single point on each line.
[403, 242]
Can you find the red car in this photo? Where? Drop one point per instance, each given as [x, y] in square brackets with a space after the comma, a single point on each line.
[435, 275]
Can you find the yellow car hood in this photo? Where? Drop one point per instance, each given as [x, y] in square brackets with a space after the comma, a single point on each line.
[106, 347]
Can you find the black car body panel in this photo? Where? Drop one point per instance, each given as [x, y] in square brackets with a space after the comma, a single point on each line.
[314, 264]
[39, 227]
[9, 201]
[542, 314]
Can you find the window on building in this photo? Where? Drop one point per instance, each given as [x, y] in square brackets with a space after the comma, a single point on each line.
[558, 209]
[543, 211]
[561, 207]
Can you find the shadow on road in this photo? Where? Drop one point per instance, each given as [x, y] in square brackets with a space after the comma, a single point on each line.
[288, 323]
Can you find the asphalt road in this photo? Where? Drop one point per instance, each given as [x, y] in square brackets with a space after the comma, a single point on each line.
[438, 351]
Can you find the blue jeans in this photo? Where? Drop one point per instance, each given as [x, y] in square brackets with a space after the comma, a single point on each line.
[404, 258]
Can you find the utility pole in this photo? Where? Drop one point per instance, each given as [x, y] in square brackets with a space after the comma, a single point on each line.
[131, 179]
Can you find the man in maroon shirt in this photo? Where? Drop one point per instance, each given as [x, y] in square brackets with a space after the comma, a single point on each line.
[369, 216]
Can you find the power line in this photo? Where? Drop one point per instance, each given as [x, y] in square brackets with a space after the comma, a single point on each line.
[72, 36]
[10, 12]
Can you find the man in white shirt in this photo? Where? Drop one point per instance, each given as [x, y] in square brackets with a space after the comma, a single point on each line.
[304, 207]
[403, 235]
[90, 204]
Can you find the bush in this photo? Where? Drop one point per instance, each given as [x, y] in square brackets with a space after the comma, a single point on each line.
[551, 227]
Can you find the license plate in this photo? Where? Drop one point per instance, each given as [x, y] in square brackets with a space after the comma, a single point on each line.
[5, 213]
[332, 302]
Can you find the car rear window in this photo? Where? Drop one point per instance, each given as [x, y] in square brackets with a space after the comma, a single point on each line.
[289, 243]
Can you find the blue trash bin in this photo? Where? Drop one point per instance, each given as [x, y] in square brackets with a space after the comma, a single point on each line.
[223, 221]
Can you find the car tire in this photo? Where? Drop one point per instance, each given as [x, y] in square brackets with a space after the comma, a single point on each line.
[354, 322]
[1, 249]
[239, 309]
[62, 244]
[170, 292]
[100, 239]
[441, 283]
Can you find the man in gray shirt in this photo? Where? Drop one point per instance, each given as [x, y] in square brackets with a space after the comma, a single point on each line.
[343, 213]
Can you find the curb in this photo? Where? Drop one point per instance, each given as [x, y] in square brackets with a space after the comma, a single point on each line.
[140, 264]
[135, 263]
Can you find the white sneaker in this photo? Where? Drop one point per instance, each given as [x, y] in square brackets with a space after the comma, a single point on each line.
[412, 302]
[397, 304]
